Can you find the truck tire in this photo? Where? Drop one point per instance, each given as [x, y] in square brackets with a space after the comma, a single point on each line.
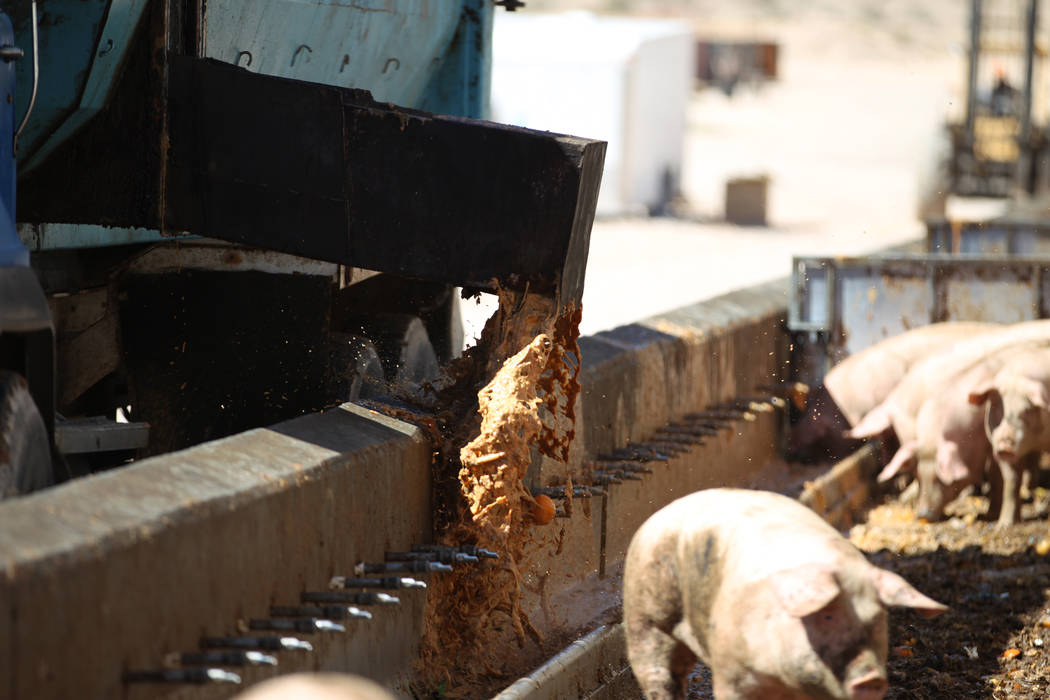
[25, 452]
[361, 365]
[404, 347]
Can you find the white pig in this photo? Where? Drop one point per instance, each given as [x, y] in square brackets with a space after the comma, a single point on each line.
[860, 382]
[1017, 421]
[952, 453]
[936, 374]
[771, 597]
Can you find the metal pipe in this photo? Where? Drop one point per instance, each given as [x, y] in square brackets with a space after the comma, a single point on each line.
[36, 80]
[975, 50]
[565, 670]
[1024, 160]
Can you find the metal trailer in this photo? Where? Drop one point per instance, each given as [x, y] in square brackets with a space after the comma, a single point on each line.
[1008, 235]
[237, 212]
[839, 306]
[998, 144]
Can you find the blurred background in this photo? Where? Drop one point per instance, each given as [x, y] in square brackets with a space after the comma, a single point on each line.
[743, 133]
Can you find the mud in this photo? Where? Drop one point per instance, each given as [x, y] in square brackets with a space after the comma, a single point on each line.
[508, 397]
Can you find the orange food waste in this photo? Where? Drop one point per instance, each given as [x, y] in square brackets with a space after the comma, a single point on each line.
[1011, 653]
[543, 510]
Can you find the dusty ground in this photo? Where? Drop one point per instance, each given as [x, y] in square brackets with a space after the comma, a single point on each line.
[994, 642]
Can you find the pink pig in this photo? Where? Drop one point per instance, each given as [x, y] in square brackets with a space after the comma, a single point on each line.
[771, 597]
[1016, 421]
[952, 452]
[859, 383]
[317, 686]
[934, 375]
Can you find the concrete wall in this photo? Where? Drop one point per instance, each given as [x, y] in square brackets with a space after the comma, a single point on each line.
[117, 570]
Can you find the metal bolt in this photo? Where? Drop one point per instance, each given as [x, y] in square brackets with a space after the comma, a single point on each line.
[330, 612]
[263, 643]
[698, 430]
[306, 625]
[677, 438]
[355, 597]
[443, 557]
[197, 676]
[388, 582]
[634, 468]
[401, 567]
[471, 549]
[227, 658]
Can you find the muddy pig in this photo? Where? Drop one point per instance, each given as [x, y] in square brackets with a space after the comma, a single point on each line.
[860, 382]
[1016, 421]
[767, 594]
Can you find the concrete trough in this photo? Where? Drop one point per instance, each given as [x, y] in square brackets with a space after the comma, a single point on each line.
[596, 666]
[118, 570]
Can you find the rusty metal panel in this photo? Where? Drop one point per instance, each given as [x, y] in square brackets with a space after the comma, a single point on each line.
[1007, 300]
[856, 302]
[1005, 236]
[877, 302]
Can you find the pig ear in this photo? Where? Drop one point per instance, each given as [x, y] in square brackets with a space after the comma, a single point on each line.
[949, 467]
[903, 461]
[876, 421]
[981, 392]
[1036, 393]
[896, 592]
[805, 590]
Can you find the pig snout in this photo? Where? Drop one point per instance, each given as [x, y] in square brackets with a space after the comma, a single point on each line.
[871, 686]
[1004, 443]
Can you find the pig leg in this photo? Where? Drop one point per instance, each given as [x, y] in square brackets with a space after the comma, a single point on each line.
[911, 494]
[1011, 511]
[660, 662]
[995, 492]
[1012, 473]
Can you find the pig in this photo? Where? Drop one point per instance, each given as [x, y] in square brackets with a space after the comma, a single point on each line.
[952, 453]
[860, 382]
[316, 686]
[1016, 403]
[932, 376]
[767, 594]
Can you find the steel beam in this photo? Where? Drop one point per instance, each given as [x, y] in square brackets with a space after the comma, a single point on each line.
[328, 173]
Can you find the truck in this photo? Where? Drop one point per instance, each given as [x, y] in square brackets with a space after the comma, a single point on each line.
[998, 142]
[222, 219]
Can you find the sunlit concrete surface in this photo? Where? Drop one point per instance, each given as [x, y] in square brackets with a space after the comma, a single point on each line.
[850, 135]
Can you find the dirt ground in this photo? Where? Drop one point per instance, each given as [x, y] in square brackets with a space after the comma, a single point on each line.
[994, 641]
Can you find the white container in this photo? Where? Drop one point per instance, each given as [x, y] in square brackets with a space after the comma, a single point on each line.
[625, 81]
